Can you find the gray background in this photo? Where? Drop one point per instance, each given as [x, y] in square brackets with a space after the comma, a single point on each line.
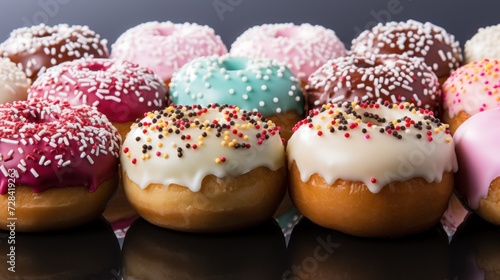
[231, 17]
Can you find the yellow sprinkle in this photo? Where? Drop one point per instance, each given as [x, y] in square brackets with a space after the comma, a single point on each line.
[165, 132]
[184, 109]
[413, 111]
[328, 126]
[245, 137]
[322, 117]
[395, 122]
[223, 143]
[269, 122]
[148, 139]
[226, 132]
[231, 144]
[209, 128]
[143, 157]
[358, 120]
[200, 137]
[234, 141]
[318, 127]
[128, 154]
[200, 143]
[148, 156]
[160, 145]
[448, 140]
[237, 126]
[237, 109]
[174, 145]
[353, 104]
[165, 156]
[192, 125]
[436, 130]
[217, 160]
[226, 138]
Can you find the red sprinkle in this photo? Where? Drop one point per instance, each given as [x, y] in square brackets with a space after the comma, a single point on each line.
[346, 135]
[320, 133]
[134, 161]
[373, 180]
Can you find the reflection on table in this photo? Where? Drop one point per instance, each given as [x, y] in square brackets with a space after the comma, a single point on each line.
[318, 253]
[476, 250]
[87, 252]
[151, 252]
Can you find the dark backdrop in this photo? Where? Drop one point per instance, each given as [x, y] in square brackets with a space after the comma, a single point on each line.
[231, 17]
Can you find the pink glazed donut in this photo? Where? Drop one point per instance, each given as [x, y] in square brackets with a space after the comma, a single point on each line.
[303, 47]
[121, 90]
[165, 46]
[478, 178]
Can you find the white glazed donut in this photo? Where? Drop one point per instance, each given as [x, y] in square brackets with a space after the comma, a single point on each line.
[484, 44]
[391, 161]
[13, 82]
[213, 168]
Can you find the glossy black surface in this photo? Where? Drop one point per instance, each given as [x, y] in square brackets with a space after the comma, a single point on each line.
[88, 252]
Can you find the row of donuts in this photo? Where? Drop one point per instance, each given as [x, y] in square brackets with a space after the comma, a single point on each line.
[269, 76]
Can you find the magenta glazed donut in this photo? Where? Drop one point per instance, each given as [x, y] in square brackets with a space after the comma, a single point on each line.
[58, 162]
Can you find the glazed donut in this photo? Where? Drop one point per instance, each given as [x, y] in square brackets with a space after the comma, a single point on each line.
[59, 161]
[204, 169]
[484, 44]
[478, 179]
[304, 48]
[371, 170]
[471, 89]
[262, 85]
[165, 46]
[437, 47]
[39, 47]
[121, 90]
[381, 78]
[13, 82]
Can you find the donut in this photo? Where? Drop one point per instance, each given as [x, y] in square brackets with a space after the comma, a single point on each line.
[437, 47]
[13, 82]
[91, 251]
[478, 179]
[371, 170]
[39, 47]
[59, 162]
[255, 253]
[471, 89]
[304, 48]
[204, 169]
[121, 90]
[165, 46]
[388, 77]
[252, 84]
[320, 253]
[484, 44]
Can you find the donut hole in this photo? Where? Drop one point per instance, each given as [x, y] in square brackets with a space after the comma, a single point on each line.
[96, 66]
[164, 31]
[290, 32]
[43, 34]
[234, 64]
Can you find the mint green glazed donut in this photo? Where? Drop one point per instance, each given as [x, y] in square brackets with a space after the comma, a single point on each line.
[254, 84]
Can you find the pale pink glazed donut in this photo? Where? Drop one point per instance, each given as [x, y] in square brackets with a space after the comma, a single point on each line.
[13, 82]
[471, 89]
[303, 47]
[122, 90]
[477, 149]
[165, 46]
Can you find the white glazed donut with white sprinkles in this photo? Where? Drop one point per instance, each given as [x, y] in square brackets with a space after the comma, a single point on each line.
[13, 82]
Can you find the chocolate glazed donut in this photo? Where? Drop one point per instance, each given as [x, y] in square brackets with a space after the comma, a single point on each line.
[393, 78]
[39, 47]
